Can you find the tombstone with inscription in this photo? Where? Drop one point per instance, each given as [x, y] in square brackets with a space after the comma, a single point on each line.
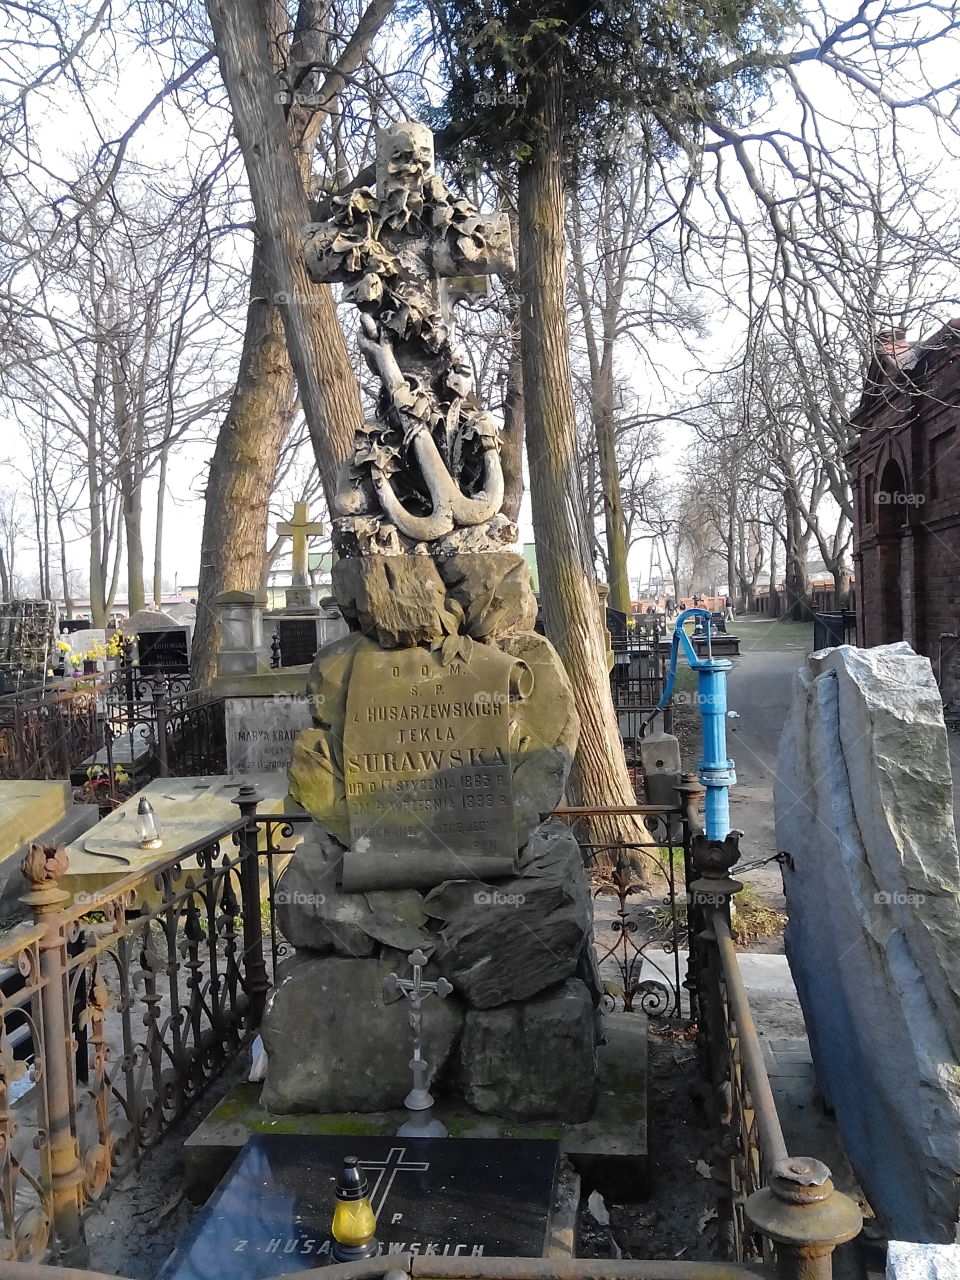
[466, 1198]
[163, 644]
[443, 725]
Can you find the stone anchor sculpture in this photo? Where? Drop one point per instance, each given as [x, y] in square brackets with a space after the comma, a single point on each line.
[444, 726]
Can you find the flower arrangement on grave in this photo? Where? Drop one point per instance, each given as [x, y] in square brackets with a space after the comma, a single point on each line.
[100, 789]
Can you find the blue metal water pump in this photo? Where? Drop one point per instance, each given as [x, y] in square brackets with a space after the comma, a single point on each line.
[715, 771]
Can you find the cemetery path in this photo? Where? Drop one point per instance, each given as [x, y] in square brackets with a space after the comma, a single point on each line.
[760, 687]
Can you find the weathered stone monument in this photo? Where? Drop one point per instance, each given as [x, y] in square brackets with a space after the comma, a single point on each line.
[864, 807]
[443, 726]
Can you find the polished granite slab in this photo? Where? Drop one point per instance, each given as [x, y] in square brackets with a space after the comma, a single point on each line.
[457, 1197]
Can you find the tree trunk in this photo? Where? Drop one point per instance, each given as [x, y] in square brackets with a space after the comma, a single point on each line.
[325, 380]
[132, 523]
[511, 440]
[795, 566]
[158, 531]
[614, 522]
[774, 609]
[567, 582]
[4, 578]
[64, 571]
[261, 413]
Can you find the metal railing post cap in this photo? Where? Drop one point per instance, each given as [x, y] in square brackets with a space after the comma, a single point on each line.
[802, 1208]
[42, 867]
[247, 794]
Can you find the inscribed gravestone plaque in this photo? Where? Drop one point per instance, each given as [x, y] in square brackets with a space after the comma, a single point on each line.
[298, 641]
[166, 651]
[442, 1197]
[261, 732]
[427, 766]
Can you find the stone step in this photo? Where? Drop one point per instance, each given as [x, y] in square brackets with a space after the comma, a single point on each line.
[608, 1152]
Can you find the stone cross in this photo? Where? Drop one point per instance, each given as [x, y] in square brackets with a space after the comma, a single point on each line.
[419, 1101]
[406, 182]
[393, 248]
[300, 529]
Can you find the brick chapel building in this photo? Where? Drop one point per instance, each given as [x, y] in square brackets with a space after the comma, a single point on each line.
[905, 470]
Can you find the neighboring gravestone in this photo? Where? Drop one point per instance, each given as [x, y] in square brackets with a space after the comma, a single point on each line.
[163, 644]
[443, 727]
[261, 731]
[81, 642]
[465, 1198]
[165, 651]
[864, 810]
[298, 639]
[241, 650]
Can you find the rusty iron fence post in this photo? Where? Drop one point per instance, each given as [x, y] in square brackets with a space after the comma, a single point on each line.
[43, 866]
[160, 722]
[804, 1217]
[254, 963]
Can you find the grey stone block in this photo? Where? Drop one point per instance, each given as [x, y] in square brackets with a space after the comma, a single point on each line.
[334, 1045]
[533, 1060]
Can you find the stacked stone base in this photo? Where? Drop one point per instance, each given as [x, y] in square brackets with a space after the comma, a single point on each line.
[518, 1037]
[452, 629]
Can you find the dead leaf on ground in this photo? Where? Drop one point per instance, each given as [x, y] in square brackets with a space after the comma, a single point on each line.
[708, 1216]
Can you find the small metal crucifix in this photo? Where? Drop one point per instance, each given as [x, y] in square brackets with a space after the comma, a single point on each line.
[419, 1101]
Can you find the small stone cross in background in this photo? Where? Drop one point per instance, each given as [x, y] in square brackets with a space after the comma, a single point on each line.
[300, 529]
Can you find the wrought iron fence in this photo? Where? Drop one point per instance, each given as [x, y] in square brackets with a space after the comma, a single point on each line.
[834, 628]
[640, 891]
[770, 1205]
[636, 682]
[149, 724]
[134, 998]
[44, 736]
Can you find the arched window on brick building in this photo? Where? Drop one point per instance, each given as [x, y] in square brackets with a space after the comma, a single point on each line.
[890, 499]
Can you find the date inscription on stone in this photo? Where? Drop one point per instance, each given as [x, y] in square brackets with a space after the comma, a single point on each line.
[427, 755]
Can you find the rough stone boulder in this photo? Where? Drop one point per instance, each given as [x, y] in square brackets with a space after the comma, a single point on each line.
[512, 939]
[864, 808]
[533, 1060]
[314, 914]
[546, 734]
[334, 1045]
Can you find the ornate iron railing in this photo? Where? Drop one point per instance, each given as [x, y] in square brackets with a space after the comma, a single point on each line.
[44, 737]
[640, 906]
[770, 1206]
[149, 724]
[134, 997]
